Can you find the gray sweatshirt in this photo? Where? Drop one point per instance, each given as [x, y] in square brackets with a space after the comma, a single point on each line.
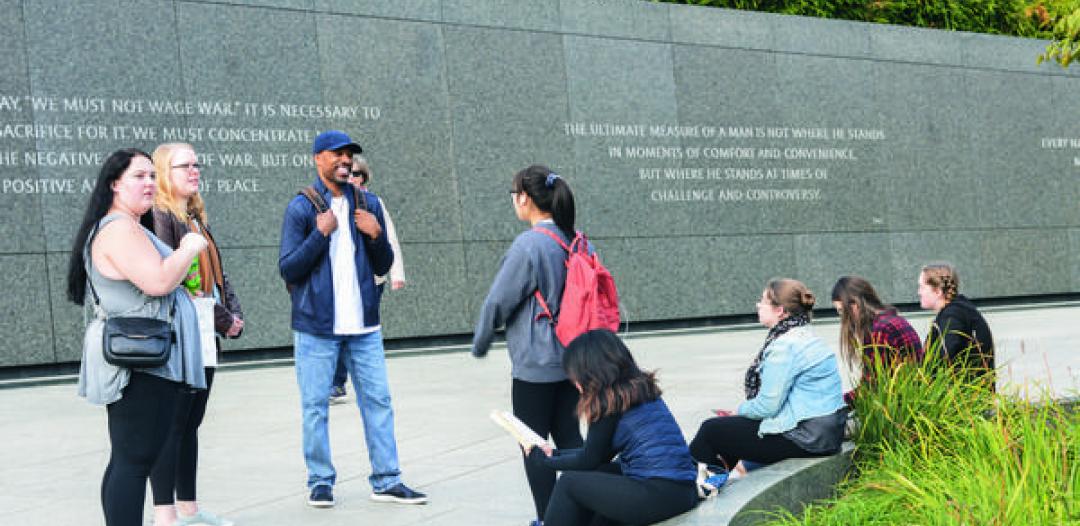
[534, 261]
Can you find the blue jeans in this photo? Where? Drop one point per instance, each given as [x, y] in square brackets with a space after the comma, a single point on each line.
[316, 358]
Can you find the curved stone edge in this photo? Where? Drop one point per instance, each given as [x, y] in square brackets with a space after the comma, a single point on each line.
[790, 484]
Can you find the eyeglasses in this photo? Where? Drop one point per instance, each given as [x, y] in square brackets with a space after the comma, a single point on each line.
[189, 166]
[362, 175]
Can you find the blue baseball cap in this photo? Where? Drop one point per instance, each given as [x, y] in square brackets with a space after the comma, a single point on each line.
[334, 140]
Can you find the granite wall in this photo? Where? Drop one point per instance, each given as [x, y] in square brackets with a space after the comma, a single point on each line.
[708, 149]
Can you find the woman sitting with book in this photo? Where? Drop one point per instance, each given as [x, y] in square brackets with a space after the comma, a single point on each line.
[653, 478]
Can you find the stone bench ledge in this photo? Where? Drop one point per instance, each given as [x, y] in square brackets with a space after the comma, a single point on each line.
[790, 484]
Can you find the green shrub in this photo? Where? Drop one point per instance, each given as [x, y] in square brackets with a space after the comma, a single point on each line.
[938, 446]
[1025, 18]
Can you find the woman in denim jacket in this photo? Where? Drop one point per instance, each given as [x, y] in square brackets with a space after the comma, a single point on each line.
[794, 401]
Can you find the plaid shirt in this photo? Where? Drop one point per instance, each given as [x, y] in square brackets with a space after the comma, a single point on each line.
[892, 336]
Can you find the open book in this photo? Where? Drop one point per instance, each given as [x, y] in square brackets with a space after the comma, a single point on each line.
[517, 429]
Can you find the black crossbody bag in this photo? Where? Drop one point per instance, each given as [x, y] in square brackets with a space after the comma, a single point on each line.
[133, 341]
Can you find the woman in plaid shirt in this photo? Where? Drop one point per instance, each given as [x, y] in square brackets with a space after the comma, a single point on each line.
[871, 331]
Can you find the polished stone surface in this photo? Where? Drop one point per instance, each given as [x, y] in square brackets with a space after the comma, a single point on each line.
[955, 146]
[24, 313]
[398, 67]
[502, 126]
[722, 27]
[616, 18]
[536, 15]
[410, 9]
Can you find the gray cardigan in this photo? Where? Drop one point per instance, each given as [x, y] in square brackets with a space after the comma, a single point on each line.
[534, 261]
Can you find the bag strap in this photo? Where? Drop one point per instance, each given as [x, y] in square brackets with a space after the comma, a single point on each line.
[90, 266]
[316, 199]
[360, 196]
[543, 305]
[554, 236]
[540, 297]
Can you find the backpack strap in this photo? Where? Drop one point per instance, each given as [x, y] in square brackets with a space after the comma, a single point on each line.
[540, 297]
[543, 305]
[360, 198]
[316, 199]
[554, 236]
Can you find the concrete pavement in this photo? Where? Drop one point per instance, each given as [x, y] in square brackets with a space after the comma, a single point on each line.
[54, 446]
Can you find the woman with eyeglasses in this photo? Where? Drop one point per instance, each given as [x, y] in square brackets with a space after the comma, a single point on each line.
[794, 402]
[178, 210]
[542, 396]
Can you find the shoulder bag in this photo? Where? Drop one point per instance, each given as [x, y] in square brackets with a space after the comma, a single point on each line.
[133, 341]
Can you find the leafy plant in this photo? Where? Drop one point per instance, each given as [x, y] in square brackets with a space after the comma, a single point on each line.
[1066, 45]
[937, 445]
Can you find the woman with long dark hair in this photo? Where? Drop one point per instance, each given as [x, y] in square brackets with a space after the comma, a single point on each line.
[130, 272]
[653, 478]
[794, 402]
[179, 210]
[871, 332]
[535, 265]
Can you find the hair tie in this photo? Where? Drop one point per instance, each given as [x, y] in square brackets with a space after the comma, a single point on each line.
[550, 181]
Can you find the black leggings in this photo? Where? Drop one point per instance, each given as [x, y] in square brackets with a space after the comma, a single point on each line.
[725, 440]
[138, 426]
[606, 496]
[175, 467]
[549, 409]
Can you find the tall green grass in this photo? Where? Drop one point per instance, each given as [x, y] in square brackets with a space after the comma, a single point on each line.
[937, 446]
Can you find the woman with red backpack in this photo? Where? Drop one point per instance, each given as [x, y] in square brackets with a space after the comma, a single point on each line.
[542, 396]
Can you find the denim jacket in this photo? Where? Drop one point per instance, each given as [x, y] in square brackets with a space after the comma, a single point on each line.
[799, 380]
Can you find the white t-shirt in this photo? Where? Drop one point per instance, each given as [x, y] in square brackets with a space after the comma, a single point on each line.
[348, 304]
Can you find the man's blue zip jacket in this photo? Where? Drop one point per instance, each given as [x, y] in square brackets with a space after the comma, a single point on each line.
[304, 262]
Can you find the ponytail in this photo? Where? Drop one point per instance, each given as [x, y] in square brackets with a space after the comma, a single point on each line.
[551, 193]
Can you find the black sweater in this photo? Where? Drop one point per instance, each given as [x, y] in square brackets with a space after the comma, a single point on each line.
[964, 334]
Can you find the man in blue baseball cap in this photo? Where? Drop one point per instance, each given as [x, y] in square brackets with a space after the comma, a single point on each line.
[331, 250]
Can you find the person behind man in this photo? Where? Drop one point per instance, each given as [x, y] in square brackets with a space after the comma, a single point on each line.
[329, 267]
[361, 177]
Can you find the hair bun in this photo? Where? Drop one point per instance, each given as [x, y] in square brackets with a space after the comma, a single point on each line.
[807, 299]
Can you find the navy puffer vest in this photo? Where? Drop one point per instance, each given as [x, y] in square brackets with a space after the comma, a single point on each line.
[651, 445]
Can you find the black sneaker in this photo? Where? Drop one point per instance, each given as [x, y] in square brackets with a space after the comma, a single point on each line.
[322, 496]
[400, 494]
[338, 395]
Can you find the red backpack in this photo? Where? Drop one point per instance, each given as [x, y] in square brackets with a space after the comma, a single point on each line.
[589, 299]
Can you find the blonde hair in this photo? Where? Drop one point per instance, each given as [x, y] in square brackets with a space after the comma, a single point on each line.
[790, 294]
[165, 198]
[943, 276]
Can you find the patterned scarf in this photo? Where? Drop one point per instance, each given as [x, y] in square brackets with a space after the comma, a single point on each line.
[752, 383]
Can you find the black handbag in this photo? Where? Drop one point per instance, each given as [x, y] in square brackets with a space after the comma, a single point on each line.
[137, 342]
[132, 341]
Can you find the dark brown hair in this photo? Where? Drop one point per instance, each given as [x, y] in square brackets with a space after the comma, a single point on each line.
[859, 305]
[611, 381]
